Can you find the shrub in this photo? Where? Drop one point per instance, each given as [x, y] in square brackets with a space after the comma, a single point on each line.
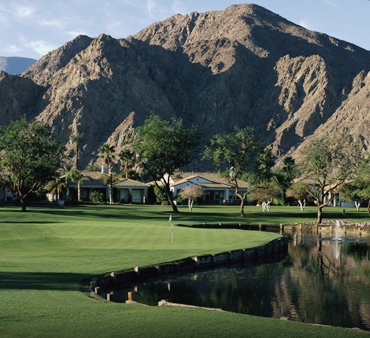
[96, 196]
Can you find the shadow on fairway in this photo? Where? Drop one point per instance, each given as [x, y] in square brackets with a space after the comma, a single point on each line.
[40, 281]
[28, 222]
[116, 212]
[253, 215]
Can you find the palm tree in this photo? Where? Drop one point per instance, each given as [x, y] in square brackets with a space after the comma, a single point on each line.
[127, 160]
[66, 167]
[107, 154]
[110, 180]
[55, 186]
[76, 139]
[78, 178]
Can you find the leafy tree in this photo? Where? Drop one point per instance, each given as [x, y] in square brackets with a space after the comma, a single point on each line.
[110, 180]
[298, 191]
[359, 188]
[267, 193]
[327, 164]
[191, 193]
[76, 139]
[96, 196]
[30, 156]
[283, 176]
[353, 192]
[107, 154]
[244, 158]
[78, 178]
[127, 161]
[160, 195]
[160, 147]
[289, 168]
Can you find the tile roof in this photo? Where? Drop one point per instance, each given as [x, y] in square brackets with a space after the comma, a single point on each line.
[183, 177]
[96, 180]
[127, 182]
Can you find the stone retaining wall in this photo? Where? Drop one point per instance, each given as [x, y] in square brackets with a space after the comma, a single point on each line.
[276, 247]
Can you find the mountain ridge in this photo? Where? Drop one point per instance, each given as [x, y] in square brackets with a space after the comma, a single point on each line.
[244, 66]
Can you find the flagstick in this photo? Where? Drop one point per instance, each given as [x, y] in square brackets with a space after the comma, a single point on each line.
[170, 220]
[172, 233]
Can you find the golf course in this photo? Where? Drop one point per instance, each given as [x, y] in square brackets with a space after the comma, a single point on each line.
[48, 254]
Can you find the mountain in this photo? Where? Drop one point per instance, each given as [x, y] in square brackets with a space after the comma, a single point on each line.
[244, 66]
[15, 65]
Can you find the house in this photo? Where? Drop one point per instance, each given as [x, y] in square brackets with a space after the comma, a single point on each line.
[6, 195]
[217, 188]
[125, 190]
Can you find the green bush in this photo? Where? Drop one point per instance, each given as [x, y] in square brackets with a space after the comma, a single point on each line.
[160, 196]
[96, 196]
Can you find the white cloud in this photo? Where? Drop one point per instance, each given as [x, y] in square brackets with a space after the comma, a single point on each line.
[51, 23]
[150, 6]
[73, 34]
[24, 11]
[179, 7]
[4, 19]
[12, 49]
[41, 47]
[159, 11]
[330, 3]
[131, 3]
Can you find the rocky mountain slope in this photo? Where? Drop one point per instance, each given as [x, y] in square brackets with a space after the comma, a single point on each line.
[15, 65]
[244, 66]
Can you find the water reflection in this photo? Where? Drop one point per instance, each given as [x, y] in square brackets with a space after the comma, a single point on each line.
[320, 281]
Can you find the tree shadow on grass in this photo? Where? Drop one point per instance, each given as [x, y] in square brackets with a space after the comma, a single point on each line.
[40, 281]
[107, 213]
[28, 222]
[279, 217]
[135, 212]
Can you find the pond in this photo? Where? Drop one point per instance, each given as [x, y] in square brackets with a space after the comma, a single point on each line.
[321, 280]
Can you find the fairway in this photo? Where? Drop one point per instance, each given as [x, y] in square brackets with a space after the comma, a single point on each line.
[47, 254]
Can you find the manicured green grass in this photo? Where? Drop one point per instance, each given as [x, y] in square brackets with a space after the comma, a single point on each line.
[46, 253]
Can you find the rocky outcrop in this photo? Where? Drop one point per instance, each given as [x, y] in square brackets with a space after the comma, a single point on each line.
[18, 97]
[244, 66]
[42, 71]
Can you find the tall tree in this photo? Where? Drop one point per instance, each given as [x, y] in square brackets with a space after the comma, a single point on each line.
[358, 189]
[30, 156]
[76, 139]
[78, 178]
[107, 154]
[243, 157]
[127, 160]
[110, 180]
[327, 164]
[161, 147]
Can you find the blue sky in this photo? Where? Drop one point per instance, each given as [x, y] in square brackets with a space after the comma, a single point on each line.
[32, 28]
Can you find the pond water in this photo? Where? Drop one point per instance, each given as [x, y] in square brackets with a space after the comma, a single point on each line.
[322, 281]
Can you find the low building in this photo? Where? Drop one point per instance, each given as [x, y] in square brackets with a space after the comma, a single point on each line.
[217, 188]
[125, 190]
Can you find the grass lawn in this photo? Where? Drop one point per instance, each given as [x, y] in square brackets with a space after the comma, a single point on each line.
[46, 253]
